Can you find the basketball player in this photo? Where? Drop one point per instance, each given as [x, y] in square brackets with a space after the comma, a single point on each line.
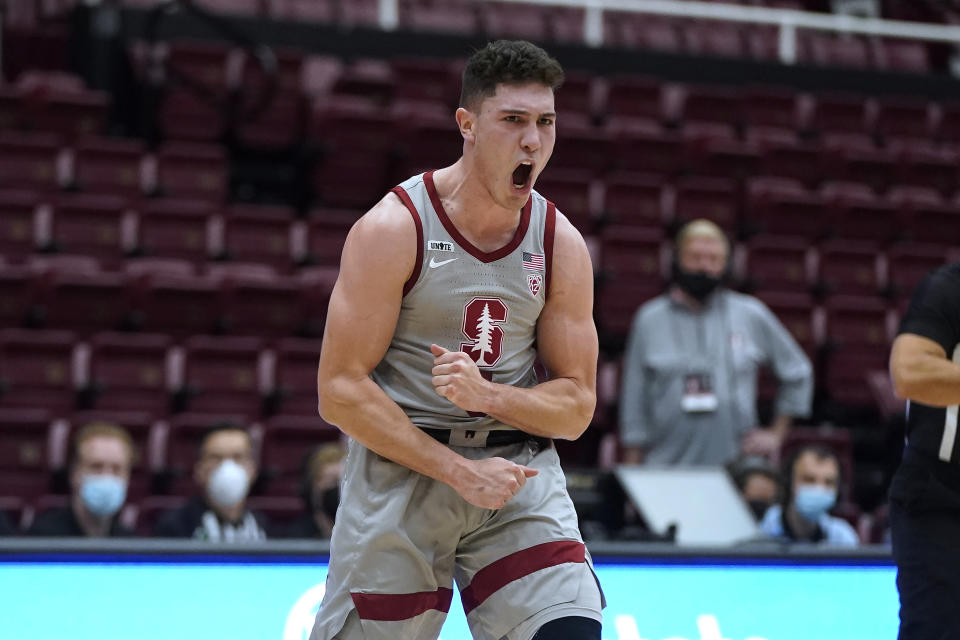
[925, 492]
[449, 288]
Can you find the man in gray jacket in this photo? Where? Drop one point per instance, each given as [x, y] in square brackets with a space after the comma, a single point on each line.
[689, 390]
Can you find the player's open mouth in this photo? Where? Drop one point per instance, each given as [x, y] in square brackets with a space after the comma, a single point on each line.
[521, 175]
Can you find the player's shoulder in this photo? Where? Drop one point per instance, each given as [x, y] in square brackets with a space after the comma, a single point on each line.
[386, 224]
[947, 277]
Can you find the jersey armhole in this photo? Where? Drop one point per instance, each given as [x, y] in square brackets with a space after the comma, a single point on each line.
[549, 226]
[408, 203]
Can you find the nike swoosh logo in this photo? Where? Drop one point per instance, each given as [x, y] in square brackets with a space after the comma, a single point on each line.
[434, 264]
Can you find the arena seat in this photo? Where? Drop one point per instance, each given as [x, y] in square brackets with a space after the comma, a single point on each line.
[108, 165]
[128, 372]
[192, 171]
[36, 369]
[295, 387]
[30, 161]
[633, 199]
[175, 228]
[92, 225]
[778, 263]
[223, 375]
[258, 233]
[287, 442]
[848, 267]
[18, 211]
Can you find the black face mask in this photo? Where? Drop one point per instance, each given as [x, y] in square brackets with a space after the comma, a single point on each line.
[759, 508]
[327, 501]
[697, 284]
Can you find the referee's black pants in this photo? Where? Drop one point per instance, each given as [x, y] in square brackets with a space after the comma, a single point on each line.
[925, 529]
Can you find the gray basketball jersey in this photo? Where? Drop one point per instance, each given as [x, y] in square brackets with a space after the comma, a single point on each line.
[464, 299]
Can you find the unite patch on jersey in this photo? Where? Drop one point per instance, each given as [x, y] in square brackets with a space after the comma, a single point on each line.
[439, 245]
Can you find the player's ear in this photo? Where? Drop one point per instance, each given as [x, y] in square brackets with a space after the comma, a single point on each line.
[467, 121]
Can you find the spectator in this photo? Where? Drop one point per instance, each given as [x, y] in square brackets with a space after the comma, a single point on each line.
[813, 484]
[224, 471]
[321, 492]
[689, 392]
[758, 482]
[101, 459]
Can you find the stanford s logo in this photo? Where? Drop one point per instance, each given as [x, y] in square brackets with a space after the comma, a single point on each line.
[534, 282]
[482, 318]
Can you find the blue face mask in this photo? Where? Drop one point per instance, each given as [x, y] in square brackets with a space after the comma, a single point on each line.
[812, 501]
[103, 494]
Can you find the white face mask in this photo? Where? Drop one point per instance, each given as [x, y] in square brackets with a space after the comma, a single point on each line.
[228, 484]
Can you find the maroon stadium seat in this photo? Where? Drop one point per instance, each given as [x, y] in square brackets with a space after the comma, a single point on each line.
[856, 214]
[92, 225]
[29, 161]
[104, 165]
[574, 193]
[634, 199]
[850, 267]
[223, 375]
[287, 442]
[259, 234]
[128, 372]
[263, 304]
[32, 444]
[36, 368]
[514, 21]
[713, 198]
[909, 263]
[85, 302]
[296, 375]
[778, 263]
[192, 171]
[171, 228]
[17, 222]
[179, 305]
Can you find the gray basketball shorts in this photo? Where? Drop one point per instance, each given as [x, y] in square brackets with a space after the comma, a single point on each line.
[402, 540]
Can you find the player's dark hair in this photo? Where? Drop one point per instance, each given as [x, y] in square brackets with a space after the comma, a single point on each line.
[219, 427]
[822, 452]
[507, 62]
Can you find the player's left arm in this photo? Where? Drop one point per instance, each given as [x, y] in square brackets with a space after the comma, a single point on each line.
[562, 407]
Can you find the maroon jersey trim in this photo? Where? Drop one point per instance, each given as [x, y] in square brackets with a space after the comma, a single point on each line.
[400, 606]
[549, 226]
[405, 198]
[499, 574]
[463, 242]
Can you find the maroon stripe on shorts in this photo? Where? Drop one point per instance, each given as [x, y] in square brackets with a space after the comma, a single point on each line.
[408, 203]
[400, 606]
[516, 565]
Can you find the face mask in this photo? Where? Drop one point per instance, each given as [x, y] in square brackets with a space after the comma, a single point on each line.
[758, 508]
[812, 501]
[697, 284]
[103, 494]
[327, 501]
[228, 484]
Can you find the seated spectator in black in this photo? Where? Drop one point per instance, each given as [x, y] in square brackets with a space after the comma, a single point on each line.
[6, 527]
[321, 492]
[758, 482]
[100, 463]
[812, 476]
[224, 472]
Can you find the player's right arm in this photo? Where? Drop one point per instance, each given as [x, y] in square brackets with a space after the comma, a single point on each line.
[921, 371]
[378, 257]
[920, 365]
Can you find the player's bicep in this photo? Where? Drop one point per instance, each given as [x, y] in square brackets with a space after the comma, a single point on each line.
[566, 333]
[377, 259]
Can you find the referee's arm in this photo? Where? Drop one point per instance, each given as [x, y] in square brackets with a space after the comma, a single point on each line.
[922, 372]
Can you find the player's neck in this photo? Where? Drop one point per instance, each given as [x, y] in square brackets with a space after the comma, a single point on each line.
[477, 216]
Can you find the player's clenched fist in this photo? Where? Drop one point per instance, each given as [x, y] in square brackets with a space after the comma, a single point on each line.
[491, 482]
[457, 378]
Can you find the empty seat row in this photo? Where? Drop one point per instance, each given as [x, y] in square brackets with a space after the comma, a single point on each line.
[115, 166]
[113, 229]
[58, 371]
[165, 296]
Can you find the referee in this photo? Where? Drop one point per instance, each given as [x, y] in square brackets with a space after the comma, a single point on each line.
[925, 492]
